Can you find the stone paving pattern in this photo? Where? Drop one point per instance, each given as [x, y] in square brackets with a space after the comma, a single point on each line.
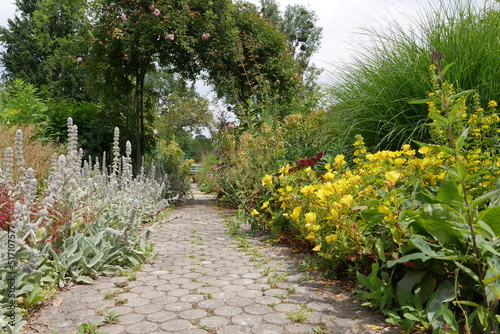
[203, 281]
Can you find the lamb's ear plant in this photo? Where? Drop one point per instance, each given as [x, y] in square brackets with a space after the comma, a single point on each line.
[456, 229]
[83, 222]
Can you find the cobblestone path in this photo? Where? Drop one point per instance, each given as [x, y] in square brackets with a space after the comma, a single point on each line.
[205, 281]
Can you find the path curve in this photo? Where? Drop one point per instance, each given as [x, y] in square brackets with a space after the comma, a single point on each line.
[205, 281]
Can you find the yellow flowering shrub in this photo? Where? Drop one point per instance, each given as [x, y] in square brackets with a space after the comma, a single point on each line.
[426, 215]
[343, 211]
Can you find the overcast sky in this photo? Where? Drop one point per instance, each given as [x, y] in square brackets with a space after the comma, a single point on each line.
[341, 21]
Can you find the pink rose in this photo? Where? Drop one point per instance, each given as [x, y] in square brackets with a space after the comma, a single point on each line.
[171, 37]
[205, 36]
[124, 17]
[156, 12]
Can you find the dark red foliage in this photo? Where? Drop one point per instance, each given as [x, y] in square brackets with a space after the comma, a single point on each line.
[301, 164]
[6, 208]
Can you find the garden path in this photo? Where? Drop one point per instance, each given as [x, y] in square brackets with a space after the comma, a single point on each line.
[205, 281]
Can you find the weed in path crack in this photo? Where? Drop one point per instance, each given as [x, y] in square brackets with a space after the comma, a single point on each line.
[110, 317]
[110, 294]
[121, 301]
[299, 315]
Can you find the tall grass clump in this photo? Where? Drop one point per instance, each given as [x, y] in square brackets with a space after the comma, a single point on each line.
[370, 95]
[83, 221]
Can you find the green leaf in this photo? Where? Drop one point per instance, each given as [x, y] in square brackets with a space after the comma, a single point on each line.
[450, 194]
[443, 149]
[95, 259]
[492, 280]
[461, 140]
[457, 95]
[468, 271]
[449, 318]
[446, 68]
[409, 257]
[444, 293]
[482, 315]
[425, 247]
[74, 258]
[379, 247]
[410, 279]
[491, 216]
[426, 287]
[407, 324]
[424, 101]
[440, 220]
[461, 170]
[485, 197]
[84, 279]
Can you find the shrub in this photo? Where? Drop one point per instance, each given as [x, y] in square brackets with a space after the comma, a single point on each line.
[261, 149]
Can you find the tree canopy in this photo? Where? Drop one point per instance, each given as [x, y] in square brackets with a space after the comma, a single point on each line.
[103, 52]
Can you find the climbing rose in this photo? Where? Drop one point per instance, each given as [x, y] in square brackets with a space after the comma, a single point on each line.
[156, 12]
[79, 59]
[171, 37]
[124, 17]
[205, 36]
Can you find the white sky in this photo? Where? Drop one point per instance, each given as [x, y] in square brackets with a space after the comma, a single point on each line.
[341, 21]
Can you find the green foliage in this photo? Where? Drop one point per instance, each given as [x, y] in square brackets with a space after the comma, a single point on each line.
[262, 148]
[22, 104]
[300, 25]
[167, 160]
[94, 125]
[42, 45]
[371, 96]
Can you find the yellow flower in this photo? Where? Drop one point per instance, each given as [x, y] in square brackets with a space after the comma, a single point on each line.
[492, 104]
[264, 205]
[424, 150]
[317, 248]
[267, 180]
[309, 189]
[329, 176]
[392, 176]
[310, 236]
[399, 161]
[310, 217]
[284, 169]
[254, 212]
[331, 238]
[339, 160]
[296, 213]
[333, 214]
[346, 200]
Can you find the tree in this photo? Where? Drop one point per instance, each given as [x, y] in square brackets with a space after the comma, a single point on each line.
[40, 45]
[242, 55]
[21, 57]
[260, 70]
[300, 26]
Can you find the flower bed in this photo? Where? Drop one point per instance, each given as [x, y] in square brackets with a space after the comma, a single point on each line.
[420, 227]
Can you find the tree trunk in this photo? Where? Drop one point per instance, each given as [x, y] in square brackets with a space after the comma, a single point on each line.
[139, 108]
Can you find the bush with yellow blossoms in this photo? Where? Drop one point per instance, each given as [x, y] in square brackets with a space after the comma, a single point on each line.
[421, 226]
